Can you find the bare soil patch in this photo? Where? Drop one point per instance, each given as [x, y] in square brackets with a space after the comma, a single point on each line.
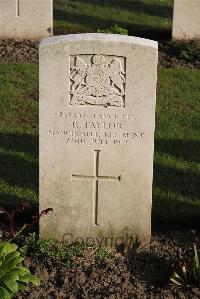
[144, 275]
[171, 53]
[19, 51]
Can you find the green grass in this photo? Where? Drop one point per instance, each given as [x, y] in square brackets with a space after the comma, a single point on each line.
[144, 18]
[176, 191]
[177, 142]
[18, 133]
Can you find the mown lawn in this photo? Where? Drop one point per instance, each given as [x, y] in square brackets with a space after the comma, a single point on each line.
[176, 192]
[144, 18]
[18, 133]
[177, 142]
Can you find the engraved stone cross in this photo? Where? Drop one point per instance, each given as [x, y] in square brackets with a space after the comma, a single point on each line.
[95, 179]
[17, 14]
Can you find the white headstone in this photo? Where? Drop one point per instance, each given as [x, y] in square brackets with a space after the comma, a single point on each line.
[186, 19]
[97, 106]
[26, 19]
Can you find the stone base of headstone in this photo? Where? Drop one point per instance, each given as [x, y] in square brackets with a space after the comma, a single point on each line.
[26, 19]
[186, 19]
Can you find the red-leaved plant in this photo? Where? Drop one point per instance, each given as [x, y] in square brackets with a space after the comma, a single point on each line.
[11, 212]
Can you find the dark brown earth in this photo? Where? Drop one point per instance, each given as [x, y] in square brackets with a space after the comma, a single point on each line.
[140, 276]
[16, 51]
[171, 54]
[180, 53]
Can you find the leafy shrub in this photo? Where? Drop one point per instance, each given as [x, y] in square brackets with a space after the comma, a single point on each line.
[13, 277]
[114, 30]
[188, 51]
[189, 274]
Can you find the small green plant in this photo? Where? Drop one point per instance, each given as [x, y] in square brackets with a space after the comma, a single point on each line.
[34, 246]
[101, 253]
[196, 267]
[62, 252]
[114, 30]
[13, 277]
[188, 275]
[182, 278]
[49, 248]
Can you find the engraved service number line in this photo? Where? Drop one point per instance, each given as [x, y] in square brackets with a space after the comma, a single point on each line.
[95, 179]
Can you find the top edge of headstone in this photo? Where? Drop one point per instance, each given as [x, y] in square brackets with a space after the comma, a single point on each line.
[104, 37]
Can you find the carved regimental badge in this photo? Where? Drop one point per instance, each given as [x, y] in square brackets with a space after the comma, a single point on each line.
[97, 80]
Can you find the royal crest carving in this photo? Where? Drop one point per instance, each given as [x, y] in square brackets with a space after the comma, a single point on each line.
[97, 80]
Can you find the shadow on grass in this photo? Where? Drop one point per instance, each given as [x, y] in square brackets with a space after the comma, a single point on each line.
[182, 182]
[93, 23]
[137, 7]
[19, 165]
[177, 206]
[17, 142]
[188, 150]
[173, 214]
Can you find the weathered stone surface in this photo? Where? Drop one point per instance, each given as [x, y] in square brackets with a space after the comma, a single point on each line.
[97, 106]
[186, 19]
[26, 19]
